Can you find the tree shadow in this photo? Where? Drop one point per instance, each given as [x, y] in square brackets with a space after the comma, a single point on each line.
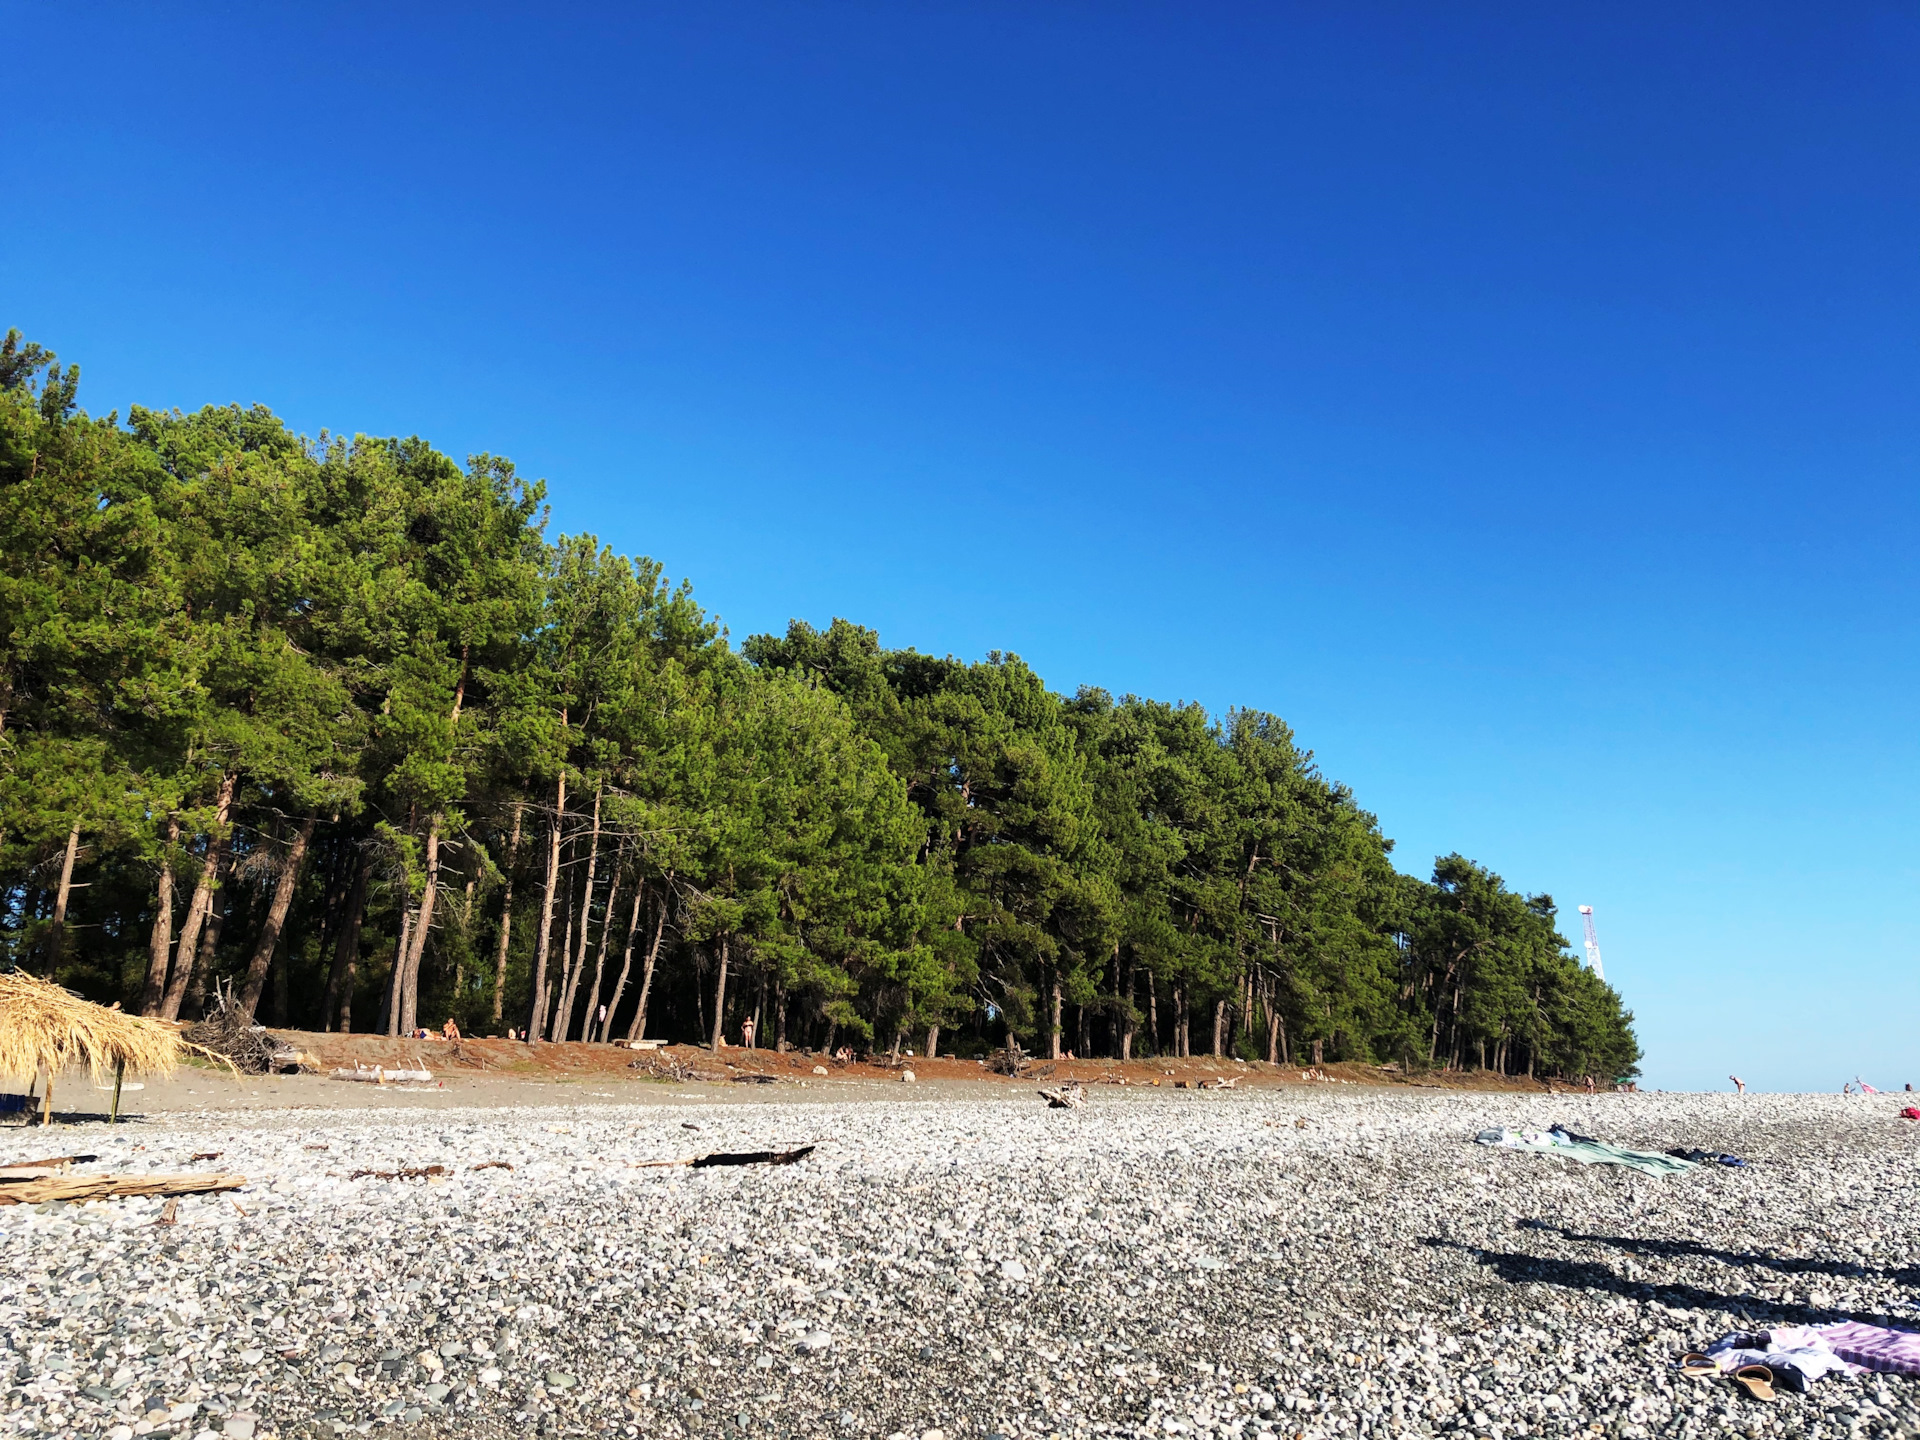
[1758, 1310]
[1739, 1259]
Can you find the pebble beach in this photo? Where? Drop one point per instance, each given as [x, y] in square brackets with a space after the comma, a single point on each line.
[1300, 1262]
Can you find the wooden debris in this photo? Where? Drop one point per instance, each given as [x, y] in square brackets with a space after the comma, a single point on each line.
[1065, 1097]
[753, 1078]
[755, 1157]
[734, 1157]
[204, 1155]
[53, 1162]
[170, 1213]
[491, 1165]
[1010, 1061]
[229, 1032]
[101, 1187]
[406, 1172]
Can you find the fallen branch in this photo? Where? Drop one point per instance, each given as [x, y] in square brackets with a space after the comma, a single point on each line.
[415, 1172]
[1065, 1097]
[491, 1165]
[734, 1157]
[204, 1155]
[100, 1187]
[753, 1078]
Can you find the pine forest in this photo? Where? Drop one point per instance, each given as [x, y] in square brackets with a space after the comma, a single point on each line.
[338, 729]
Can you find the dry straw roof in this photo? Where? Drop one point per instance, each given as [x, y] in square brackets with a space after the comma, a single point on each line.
[44, 1029]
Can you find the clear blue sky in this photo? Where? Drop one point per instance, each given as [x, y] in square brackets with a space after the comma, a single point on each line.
[1520, 402]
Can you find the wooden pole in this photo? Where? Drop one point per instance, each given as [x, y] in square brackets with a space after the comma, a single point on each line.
[119, 1074]
[46, 1113]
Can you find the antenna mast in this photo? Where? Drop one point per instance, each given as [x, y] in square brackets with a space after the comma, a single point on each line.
[1593, 943]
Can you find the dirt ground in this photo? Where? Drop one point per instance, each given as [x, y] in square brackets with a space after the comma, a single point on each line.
[478, 1073]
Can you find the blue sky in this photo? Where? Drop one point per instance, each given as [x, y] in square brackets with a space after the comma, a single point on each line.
[1520, 402]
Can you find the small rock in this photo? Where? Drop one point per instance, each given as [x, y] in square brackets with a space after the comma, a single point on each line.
[814, 1341]
[819, 1069]
[907, 1075]
[559, 1380]
[436, 1392]
[239, 1427]
[1012, 1270]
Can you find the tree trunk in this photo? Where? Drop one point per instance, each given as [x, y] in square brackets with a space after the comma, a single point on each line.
[346, 954]
[506, 922]
[537, 1006]
[200, 905]
[1273, 1034]
[576, 961]
[256, 978]
[417, 946]
[209, 949]
[160, 942]
[1219, 1028]
[422, 927]
[1316, 1053]
[557, 1024]
[720, 998]
[638, 1029]
[933, 1038]
[1053, 1025]
[780, 1019]
[593, 1022]
[56, 937]
[1153, 1012]
[394, 980]
[626, 963]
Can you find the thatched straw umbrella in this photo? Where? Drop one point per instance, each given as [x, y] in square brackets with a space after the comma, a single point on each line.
[46, 1028]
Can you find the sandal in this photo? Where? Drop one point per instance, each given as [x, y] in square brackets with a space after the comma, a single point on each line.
[1756, 1380]
[1698, 1366]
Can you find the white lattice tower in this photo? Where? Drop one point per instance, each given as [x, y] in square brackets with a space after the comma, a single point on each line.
[1593, 942]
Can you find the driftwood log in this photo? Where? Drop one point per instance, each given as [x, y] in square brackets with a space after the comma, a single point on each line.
[32, 1187]
[380, 1075]
[1065, 1097]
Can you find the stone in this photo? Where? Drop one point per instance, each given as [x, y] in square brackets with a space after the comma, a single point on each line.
[814, 1341]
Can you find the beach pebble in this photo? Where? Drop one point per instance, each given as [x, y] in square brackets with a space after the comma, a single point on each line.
[1172, 1263]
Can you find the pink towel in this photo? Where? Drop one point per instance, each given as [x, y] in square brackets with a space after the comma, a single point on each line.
[1890, 1352]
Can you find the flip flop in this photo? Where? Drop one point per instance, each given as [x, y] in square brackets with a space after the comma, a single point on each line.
[1700, 1367]
[1756, 1380]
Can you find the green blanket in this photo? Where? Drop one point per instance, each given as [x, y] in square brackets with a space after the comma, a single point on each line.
[1589, 1152]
